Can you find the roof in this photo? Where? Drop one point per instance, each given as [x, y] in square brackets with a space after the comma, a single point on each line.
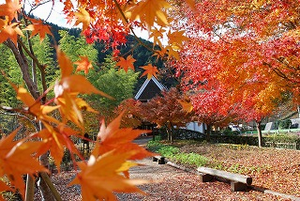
[149, 89]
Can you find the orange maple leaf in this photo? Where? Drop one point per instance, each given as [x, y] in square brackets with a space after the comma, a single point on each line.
[150, 11]
[17, 158]
[186, 105]
[3, 188]
[84, 64]
[83, 16]
[37, 27]
[67, 89]
[65, 64]
[157, 34]
[112, 137]
[55, 140]
[10, 9]
[69, 82]
[149, 71]
[9, 31]
[100, 176]
[169, 50]
[126, 63]
[35, 107]
[176, 39]
[191, 3]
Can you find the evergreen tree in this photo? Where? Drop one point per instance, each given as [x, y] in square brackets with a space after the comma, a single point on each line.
[116, 83]
[75, 47]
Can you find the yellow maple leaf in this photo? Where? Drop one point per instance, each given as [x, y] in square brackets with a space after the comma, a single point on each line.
[84, 64]
[150, 11]
[149, 71]
[10, 9]
[83, 16]
[37, 27]
[126, 63]
[82, 104]
[100, 176]
[173, 53]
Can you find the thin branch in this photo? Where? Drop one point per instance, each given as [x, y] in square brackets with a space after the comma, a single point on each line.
[13, 112]
[50, 11]
[40, 66]
[279, 73]
[49, 183]
[35, 7]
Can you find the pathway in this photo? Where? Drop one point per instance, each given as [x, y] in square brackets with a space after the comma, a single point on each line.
[170, 183]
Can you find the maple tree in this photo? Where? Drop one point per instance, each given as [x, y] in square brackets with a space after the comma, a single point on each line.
[51, 107]
[166, 111]
[242, 54]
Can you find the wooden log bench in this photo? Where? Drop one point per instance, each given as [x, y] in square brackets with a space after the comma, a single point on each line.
[238, 182]
[159, 159]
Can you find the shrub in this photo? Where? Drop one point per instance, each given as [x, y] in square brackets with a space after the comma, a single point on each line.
[173, 153]
[191, 159]
[285, 124]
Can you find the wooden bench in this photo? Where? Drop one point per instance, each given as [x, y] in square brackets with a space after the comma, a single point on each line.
[159, 159]
[238, 182]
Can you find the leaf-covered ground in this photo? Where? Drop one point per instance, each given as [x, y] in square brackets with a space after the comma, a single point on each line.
[274, 169]
[277, 170]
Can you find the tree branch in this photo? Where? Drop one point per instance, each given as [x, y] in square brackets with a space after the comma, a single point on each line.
[24, 68]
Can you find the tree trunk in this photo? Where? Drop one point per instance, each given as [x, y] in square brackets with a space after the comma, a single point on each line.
[22, 61]
[20, 57]
[172, 132]
[168, 133]
[208, 132]
[259, 133]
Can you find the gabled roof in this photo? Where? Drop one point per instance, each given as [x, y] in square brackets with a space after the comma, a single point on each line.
[149, 89]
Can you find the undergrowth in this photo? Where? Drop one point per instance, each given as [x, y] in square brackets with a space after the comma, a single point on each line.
[173, 153]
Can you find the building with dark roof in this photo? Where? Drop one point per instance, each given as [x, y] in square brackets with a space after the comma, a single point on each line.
[149, 89]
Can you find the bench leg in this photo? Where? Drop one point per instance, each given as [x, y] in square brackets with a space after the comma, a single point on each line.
[161, 161]
[155, 159]
[237, 186]
[206, 177]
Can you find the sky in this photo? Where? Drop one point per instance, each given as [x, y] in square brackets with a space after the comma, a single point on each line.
[56, 16]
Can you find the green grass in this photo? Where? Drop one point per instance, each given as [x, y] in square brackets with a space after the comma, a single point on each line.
[173, 153]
